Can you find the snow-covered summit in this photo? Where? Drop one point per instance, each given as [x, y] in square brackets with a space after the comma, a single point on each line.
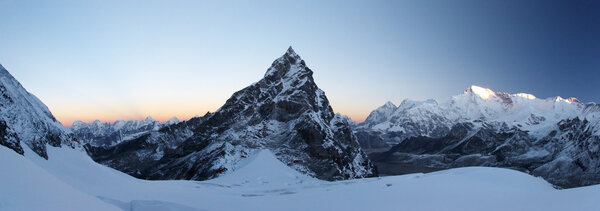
[290, 59]
[477, 103]
[484, 93]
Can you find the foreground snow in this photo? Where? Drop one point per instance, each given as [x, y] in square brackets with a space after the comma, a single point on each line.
[70, 180]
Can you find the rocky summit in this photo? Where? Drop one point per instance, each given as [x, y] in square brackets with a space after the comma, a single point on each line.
[284, 112]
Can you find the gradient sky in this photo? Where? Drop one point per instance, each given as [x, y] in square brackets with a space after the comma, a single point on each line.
[113, 60]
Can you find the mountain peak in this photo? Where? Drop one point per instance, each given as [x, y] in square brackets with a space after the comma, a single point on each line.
[287, 65]
[172, 120]
[291, 56]
[484, 93]
[284, 112]
[569, 100]
[149, 119]
[389, 104]
[290, 51]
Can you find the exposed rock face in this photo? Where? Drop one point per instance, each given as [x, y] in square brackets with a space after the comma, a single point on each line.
[24, 119]
[554, 138]
[284, 112]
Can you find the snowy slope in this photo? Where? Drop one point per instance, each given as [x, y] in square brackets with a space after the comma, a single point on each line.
[25, 119]
[264, 183]
[26, 186]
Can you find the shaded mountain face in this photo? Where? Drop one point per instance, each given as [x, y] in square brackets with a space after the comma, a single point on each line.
[284, 112]
[24, 119]
[141, 150]
[555, 138]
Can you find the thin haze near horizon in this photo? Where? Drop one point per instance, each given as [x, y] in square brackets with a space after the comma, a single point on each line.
[112, 60]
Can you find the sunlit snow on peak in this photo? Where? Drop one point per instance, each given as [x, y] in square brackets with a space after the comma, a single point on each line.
[570, 100]
[481, 92]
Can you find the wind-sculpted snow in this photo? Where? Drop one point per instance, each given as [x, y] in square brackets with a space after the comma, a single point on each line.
[25, 119]
[554, 138]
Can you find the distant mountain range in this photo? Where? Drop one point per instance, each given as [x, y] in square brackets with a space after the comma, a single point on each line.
[106, 134]
[556, 138]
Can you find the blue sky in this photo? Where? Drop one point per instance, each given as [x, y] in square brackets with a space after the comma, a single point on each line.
[112, 60]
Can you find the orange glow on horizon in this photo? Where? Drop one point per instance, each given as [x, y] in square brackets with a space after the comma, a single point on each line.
[67, 117]
[67, 121]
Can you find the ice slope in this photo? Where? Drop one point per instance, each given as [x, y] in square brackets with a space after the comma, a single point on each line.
[264, 183]
[26, 186]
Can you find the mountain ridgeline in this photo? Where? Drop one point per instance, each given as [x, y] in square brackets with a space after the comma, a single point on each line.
[555, 138]
[284, 112]
[24, 119]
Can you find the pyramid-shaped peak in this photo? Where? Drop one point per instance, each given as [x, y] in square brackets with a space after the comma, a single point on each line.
[290, 51]
[289, 63]
[291, 55]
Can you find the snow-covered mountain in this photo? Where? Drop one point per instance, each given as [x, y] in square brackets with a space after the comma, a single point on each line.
[104, 134]
[24, 119]
[285, 112]
[555, 138]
